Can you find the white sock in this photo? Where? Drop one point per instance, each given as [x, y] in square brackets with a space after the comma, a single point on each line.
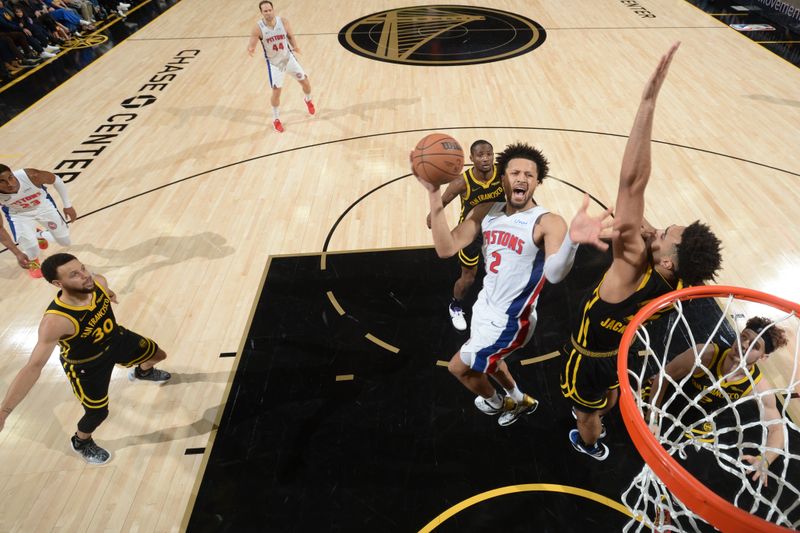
[307, 97]
[275, 113]
[495, 401]
[515, 394]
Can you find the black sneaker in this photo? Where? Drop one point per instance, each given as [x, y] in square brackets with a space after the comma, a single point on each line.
[599, 451]
[90, 451]
[154, 374]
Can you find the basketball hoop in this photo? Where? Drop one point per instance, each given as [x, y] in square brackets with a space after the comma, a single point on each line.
[665, 496]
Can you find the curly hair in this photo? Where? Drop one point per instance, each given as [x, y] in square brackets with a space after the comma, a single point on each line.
[523, 151]
[774, 337]
[699, 256]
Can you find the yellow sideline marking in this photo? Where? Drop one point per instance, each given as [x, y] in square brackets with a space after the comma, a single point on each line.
[335, 303]
[539, 359]
[530, 487]
[382, 344]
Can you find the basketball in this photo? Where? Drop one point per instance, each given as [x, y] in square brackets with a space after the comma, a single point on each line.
[437, 158]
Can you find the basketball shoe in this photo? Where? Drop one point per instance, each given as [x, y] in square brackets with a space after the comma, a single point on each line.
[485, 407]
[35, 269]
[527, 406]
[155, 375]
[599, 451]
[457, 316]
[310, 106]
[43, 244]
[90, 451]
[602, 426]
[277, 126]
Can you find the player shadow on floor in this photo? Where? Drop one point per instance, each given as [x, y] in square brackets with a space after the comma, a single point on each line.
[363, 111]
[174, 249]
[773, 99]
[132, 175]
[179, 378]
[223, 113]
[202, 426]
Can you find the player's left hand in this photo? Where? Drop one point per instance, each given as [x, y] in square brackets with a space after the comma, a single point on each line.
[585, 229]
[761, 467]
[70, 213]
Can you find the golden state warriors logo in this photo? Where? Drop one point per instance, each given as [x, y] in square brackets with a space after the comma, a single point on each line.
[442, 35]
[88, 41]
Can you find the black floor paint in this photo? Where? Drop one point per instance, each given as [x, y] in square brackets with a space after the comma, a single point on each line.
[401, 442]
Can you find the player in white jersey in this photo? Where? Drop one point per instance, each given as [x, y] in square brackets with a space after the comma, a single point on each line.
[523, 245]
[280, 48]
[27, 204]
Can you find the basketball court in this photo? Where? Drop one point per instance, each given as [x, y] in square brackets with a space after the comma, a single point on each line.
[290, 277]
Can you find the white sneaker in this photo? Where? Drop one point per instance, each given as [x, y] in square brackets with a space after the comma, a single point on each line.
[52, 49]
[525, 407]
[123, 5]
[485, 407]
[47, 55]
[457, 317]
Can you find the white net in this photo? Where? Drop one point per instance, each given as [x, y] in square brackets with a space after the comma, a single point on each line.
[723, 413]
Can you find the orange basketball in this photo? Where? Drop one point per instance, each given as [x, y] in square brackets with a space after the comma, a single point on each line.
[437, 158]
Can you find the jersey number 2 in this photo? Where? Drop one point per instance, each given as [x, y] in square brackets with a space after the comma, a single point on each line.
[496, 257]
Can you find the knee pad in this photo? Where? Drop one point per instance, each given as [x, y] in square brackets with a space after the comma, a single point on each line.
[92, 419]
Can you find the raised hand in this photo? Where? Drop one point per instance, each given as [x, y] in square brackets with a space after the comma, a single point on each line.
[585, 229]
[657, 78]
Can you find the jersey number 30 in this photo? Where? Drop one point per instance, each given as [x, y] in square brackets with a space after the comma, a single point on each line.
[105, 329]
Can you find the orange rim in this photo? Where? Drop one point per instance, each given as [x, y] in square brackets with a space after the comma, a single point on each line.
[700, 499]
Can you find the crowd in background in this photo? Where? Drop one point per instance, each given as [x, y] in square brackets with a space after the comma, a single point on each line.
[33, 31]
